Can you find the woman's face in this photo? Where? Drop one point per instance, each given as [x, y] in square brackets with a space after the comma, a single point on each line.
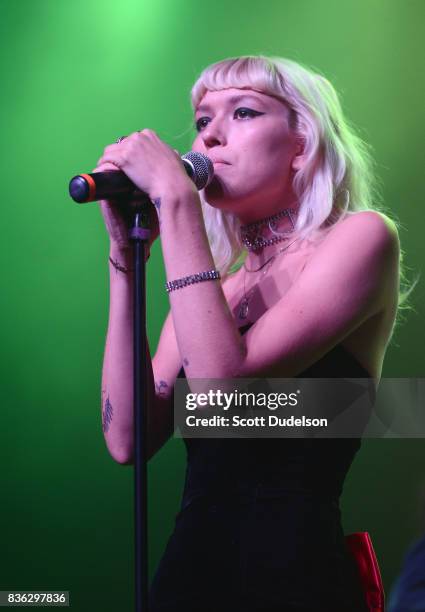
[247, 136]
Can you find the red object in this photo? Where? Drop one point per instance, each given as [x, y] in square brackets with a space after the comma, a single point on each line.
[361, 549]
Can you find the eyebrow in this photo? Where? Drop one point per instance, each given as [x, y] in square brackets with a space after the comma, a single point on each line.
[230, 101]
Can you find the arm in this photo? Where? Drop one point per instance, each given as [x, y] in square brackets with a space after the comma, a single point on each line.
[117, 373]
[117, 376]
[209, 342]
[207, 336]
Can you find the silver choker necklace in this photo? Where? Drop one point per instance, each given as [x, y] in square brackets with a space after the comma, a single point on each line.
[251, 234]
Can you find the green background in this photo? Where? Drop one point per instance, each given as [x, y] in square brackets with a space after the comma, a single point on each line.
[75, 75]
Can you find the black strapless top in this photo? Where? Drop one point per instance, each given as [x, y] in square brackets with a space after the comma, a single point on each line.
[275, 466]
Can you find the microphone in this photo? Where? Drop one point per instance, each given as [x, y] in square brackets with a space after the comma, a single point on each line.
[109, 185]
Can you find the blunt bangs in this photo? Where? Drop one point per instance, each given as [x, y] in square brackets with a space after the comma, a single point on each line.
[248, 72]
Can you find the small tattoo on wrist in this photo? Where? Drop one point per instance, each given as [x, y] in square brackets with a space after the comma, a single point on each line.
[118, 267]
[107, 415]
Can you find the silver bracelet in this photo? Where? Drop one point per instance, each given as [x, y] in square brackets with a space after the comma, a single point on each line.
[190, 280]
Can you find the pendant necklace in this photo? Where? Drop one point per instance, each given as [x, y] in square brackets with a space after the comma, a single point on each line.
[244, 304]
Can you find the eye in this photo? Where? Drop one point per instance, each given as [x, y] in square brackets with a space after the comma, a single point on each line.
[240, 113]
[201, 123]
[244, 113]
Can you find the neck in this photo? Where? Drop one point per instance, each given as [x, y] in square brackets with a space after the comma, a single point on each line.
[268, 235]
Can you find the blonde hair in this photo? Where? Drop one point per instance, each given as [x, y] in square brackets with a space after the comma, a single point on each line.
[337, 177]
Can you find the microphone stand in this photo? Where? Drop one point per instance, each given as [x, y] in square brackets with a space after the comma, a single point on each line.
[98, 185]
[139, 234]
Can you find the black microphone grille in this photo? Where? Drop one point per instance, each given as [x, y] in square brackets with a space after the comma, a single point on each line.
[201, 167]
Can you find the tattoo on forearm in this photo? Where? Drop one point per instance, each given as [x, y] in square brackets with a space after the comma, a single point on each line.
[118, 267]
[107, 415]
[185, 362]
[161, 388]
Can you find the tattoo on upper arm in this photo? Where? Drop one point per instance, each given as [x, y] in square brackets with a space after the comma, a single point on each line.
[185, 362]
[107, 415]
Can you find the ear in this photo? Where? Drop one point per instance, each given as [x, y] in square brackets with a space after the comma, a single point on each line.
[299, 158]
[298, 162]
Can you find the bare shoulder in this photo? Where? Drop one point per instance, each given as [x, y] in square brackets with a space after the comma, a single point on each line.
[370, 228]
[370, 240]
[366, 241]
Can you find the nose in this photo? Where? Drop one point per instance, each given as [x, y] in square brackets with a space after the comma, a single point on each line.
[213, 134]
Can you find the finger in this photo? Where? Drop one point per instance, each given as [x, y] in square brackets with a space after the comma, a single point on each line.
[115, 159]
[102, 161]
[148, 132]
[105, 167]
[114, 152]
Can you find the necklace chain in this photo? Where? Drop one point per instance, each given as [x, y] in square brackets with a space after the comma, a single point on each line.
[264, 264]
[244, 303]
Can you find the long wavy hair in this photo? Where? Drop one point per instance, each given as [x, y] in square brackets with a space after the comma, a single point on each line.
[337, 177]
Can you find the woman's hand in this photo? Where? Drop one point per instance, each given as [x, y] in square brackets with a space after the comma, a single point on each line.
[118, 215]
[149, 163]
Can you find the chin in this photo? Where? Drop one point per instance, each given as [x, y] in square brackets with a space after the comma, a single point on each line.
[217, 196]
[214, 192]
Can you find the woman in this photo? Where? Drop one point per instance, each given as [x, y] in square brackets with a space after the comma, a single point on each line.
[317, 295]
